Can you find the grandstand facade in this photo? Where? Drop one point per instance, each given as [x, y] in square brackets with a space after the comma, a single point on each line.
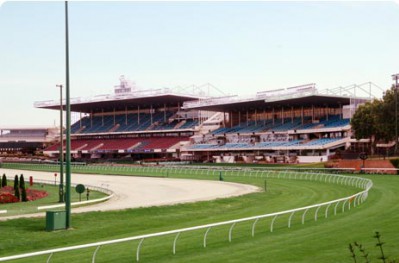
[26, 140]
[298, 124]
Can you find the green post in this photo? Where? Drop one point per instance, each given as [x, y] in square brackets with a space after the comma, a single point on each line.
[68, 127]
[220, 176]
[61, 188]
[265, 186]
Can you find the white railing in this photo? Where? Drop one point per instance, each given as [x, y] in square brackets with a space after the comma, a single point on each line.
[335, 205]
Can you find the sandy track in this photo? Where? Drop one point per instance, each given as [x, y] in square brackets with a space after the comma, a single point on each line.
[133, 192]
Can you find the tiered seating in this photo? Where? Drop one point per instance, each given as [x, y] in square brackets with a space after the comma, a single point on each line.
[128, 144]
[278, 144]
[118, 144]
[129, 123]
[322, 141]
[162, 143]
[189, 124]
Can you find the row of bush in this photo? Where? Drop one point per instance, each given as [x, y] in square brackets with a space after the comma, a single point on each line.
[19, 190]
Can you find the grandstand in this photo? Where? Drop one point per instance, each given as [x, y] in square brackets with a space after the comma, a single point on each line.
[26, 140]
[131, 123]
[297, 124]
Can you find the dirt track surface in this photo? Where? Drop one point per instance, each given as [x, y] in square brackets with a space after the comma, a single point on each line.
[133, 192]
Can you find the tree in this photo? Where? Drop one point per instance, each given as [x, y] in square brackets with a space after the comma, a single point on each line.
[1, 184]
[16, 193]
[4, 181]
[376, 119]
[21, 181]
[16, 184]
[23, 194]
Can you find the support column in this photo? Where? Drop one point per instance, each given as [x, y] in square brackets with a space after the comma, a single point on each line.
[292, 114]
[302, 115]
[138, 114]
[102, 116]
[151, 113]
[282, 115]
[273, 115]
[312, 113]
[256, 117]
[114, 118]
[164, 112]
[125, 115]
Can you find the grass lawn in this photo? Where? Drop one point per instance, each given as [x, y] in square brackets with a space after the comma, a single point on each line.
[323, 241]
[51, 199]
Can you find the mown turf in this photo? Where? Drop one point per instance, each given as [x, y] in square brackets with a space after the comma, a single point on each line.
[325, 240]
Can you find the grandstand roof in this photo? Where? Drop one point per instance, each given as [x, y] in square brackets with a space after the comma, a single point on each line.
[120, 102]
[262, 103]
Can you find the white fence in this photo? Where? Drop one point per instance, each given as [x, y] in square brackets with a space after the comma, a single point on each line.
[331, 207]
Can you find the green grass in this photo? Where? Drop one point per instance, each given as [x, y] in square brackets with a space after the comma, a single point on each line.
[51, 199]
[323, 241]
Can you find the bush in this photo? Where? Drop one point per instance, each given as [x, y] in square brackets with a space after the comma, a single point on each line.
[8, 198]
[16, 193]
[21, 181]
[395, 163]
[16, 184]
[4, 181]
[24, 198]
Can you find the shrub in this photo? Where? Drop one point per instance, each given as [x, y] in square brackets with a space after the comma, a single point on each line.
[395, 163]
[8, 198]
[4, 181]
[16, 193]
[16, 184]
[23, 194]
[21, 181]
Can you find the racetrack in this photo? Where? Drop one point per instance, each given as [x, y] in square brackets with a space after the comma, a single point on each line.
[133, 192]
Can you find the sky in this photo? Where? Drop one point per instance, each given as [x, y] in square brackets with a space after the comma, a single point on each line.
[239, 47]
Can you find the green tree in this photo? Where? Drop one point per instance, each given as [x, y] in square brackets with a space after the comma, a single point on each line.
[4, 181]
[16, 193]
[21, 181]
[16, 184]
[376, 119]
[23, 194]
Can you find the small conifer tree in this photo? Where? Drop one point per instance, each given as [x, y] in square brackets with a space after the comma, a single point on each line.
[16, 193]
[4, 181]
[23, 194]
[16, 184]
[21, 181]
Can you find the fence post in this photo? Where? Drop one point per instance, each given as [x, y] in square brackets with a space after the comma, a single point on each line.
[138, 250]
[231, 230]
[335, 208]
[315, 213]
[303, 216]
[326, 212]
[48, 259]
[271, 225]
[206, 234]
[253, 227]
[289, 219]
[174, 243]
[93, 260]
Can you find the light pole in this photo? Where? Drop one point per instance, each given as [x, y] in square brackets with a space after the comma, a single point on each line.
[61, 191]
[396, 77]
[68, 127]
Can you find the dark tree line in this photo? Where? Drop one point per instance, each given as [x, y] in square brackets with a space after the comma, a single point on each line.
[376, 119]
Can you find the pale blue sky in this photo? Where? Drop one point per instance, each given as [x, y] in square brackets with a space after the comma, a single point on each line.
[240, 47]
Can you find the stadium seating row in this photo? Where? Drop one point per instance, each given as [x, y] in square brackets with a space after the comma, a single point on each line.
[265, 145]
[129, 145]
[333, 121]
[130, 122]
